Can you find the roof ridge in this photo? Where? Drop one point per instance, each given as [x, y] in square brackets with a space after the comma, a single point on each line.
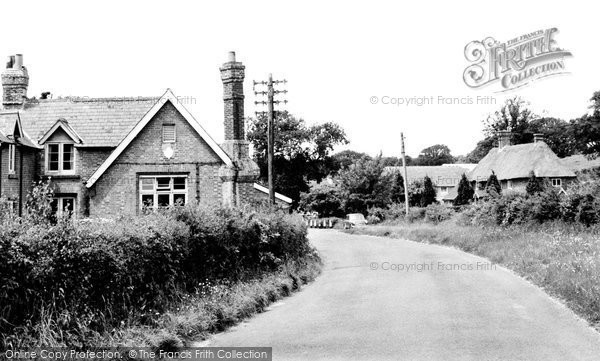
[86, 99]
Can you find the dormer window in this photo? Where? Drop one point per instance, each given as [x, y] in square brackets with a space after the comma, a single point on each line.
[168, 133]
[60, 158]
[11, 158]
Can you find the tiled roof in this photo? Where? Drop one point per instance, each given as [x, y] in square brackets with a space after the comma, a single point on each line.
[98, 121]
[516, 161]
[7, 126]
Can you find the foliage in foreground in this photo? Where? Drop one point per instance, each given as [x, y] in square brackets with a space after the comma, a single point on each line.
[80, 279]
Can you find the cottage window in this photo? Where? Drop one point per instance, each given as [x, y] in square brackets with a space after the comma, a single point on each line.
[60, 158]
[162, 191]
[63, 206]
[168, 133]
[11, 158]
[557, 182]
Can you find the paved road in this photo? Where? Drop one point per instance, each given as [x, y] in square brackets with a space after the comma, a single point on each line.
[352, 312]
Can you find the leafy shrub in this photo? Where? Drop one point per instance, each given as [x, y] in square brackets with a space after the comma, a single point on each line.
[436, 213]
[86, 276]
[395, 211]
[580, 205]
[376, 215]
[415, 214]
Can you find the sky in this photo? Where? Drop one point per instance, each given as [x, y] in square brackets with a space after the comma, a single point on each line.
[336, 56]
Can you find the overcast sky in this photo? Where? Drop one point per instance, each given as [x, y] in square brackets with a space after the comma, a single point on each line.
[335, 55]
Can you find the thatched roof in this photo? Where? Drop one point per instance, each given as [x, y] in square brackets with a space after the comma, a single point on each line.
[516, 161]
[579, 162]
[441, 176]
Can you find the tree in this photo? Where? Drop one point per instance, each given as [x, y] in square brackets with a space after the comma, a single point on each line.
[482, 148]
[514, 115]
[557, 134]
[465, 192]
[586, 129]
[397, 191]
[415, 192]
[534, 185]
[492, 186]
[323, 198]
[301, 152]
[428, 192]
[435, 155]
[346, 158]
[365, 185]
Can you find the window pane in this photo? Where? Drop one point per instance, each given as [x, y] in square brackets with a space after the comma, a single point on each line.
[163, 182]
[147, 184]
[164, 200]
[67, 156]
[53, 157]
[179, 183]
[147, 200]
[179, 199]
[168, 133]
[68, 205]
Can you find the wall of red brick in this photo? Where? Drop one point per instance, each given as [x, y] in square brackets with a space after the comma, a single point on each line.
[116, 192]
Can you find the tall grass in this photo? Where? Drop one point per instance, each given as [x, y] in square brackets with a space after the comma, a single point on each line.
[564, 259]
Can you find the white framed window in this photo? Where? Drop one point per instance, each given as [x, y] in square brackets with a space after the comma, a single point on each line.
[444, 190]
[63, 206]
[168, 133]
[11, 158]
[163, 191]
[556, 182]
[60, 158]
[509, 184]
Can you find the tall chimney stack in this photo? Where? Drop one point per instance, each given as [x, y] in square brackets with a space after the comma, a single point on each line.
[232, 75]
[503, 138]
[238, 179]
[15, 81]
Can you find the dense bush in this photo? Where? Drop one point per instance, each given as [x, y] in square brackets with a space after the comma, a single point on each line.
[579, 205]
[90, 275]
[436, 213]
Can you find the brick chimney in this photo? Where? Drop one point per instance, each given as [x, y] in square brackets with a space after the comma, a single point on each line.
[503, 138]
[237, 180]
[232, 75]
[538, 137]
[14, 83]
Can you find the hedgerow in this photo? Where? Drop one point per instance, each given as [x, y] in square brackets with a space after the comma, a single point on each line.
[86, 277]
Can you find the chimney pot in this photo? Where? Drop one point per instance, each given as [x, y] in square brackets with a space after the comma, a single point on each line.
[504, 138]
[18, 64]
[231, 57]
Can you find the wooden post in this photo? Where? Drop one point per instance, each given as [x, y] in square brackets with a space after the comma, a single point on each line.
[270, 139]
[405, 173]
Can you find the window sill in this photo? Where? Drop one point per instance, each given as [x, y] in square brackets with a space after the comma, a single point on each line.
[63, 176]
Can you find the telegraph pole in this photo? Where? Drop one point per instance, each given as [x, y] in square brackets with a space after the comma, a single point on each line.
[405, 173]
[270, 138]
[270, 103]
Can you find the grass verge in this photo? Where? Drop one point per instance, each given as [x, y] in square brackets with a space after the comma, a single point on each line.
[564, 260]
[215, 307]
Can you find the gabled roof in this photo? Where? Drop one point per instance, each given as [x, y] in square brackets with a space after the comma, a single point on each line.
[100, 122]
[516, 161]
[11, 130]
[441, 176]
[64, 125]
[167, 97]
[265, 190]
